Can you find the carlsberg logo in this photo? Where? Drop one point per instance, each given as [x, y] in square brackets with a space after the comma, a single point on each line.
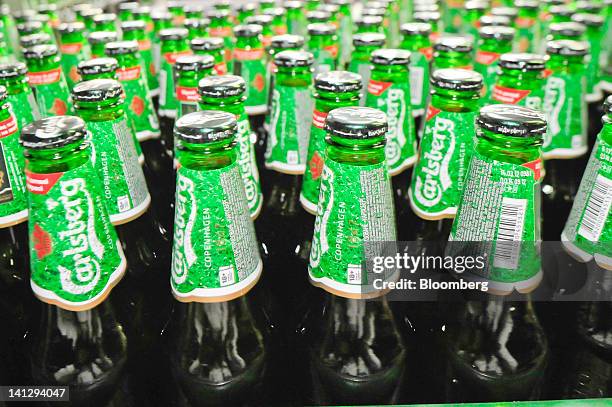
[396, 138]
[183, 255]
[434, 176]
[320, 244]
[85, 249]
[245, 162]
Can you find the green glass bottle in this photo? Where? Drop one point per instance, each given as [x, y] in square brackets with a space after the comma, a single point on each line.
[561, 14]
[50, 10]
[126, 10]
[86, 17]
[528, 29]
[369, 24]
[291, 112]
[332, 90]
[105, 22]
[520, 80]
[266, 5]
[161, 21]
[389, 91]
[99, 68]
[214, 47]
[47, 80]
[75, 274]
[74, 49]
[279, 19]
[492, 43]
[221, 27]
[227, 93]
[452, 52]
[506, 11]
[97, 41]
[178, 13]
[500, 205]
[545, 16]
[323, 44]
[312, 5]
[250, 63]
[379, 10]
[364, 45]
[474, 10]
[446, 144]
[494, 21]
[416, 40]
[197, 27]
[566, 31]
[135, 30]
[100, 102]
[452, 15]
[188, 71]
[193, 11]
[13, 198]
[21, 98]
[433, 19]
[296, 17]
[318, 16]
[133, 78]
[173, 45]
[9, 31]
[265, 22]
[588, 229]
[594, 34]
[245, 11]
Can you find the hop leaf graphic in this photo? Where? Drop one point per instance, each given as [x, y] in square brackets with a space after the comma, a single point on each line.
[42, 242]
[137, 105]
[316, 165]
[59, 107]
[258, 82]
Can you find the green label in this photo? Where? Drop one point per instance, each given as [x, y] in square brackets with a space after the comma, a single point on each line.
[24, 108]
[325, 59]
[588, 230]
[139, 106]
[289, 129]
[248, 166]
[355, 207]
[52, 94]
[567, 117]
[394, 100]
[251, 65]
[419, 82]
[215, 255]
[439, 175]
[124, 188]
[309, 196]
[13, 198]
[75, 255]
[500, 207]
[72, 55]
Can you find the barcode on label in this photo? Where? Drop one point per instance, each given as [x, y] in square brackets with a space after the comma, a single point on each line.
[292, 157]
[123, 203]
[510, 233]
[597, 209]
[353, 274]
[226, 275]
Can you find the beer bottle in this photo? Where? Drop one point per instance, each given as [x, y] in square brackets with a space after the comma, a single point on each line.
[86, 14]
[452, 52]
[345, 29]
[221, 26]
[19, 95]
[364, 44]
[178, 14]
[349, 331]
[188, 71]
[28, 41]
[594, 35]
[433, 19]
[161, 21]
[105, 22]
[98, 39]
[520, 80]
[318, 16]
[193, 11]
[296, 18]
[126, 10]
[279, 19]
[249, 62]
[245, 11]
[381, 10]
[496, 350]
[566, 31]
[494, 21]
[474, 10]
[266, 5]
[332, 90]
[500, 204]
[8, 29]
[265, 22]
[196, 27]
[452, 15]
[312, 5]
[445, 152]
[528, 28]
[47, 80]
[212, 46]
[227, 93]
[369, 24]
[493, 42]
[74, 49]
[323, 44]
[99, 68]
[561, 13]
[545, 16]
[588, 229]
[135, 30]
[50, 10]
[416, 40]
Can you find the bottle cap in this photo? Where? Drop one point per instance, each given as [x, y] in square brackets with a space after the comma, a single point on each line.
[522, 61]
[415, 29]
[142, 11]
[170, 34]
[528, 4]
[369, 39]
[500, 32]
[128, 6]
[330, 8]
[567, 47]
[221, 86]
[96, 90]
[47, 8]
[285, 41]
[195, 63]
[275, 12]
[321, 29]
[205, 126]
[193, 9]
[133, 25]
[29, 27]
[195, 23]
[105, 18]
[562, 10]
[28, 41]
[217, 14]
[263, 20]
[476, 5]
[89, 13]
[206, 44]
[52, 132]
[247, 7]
[247, 30]
[338, 81]
[121, 48]
[569, 29]
[291, 58]
[590, 20]
[293, 4]
[487, 21]
[456, 79]
[319, 16]
[453, 44]
[512, 120]
[389, 56]
[97, 66]
[13, 70]
[427, 16]
[378, 12]
[356, 123]
[102, 37]
[509, 12]
[40, 51]
[67, 28]
[369, 21]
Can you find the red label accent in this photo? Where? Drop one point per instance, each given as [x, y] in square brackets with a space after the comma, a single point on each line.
[279, 30]
[259, 82]
[486, 58]
[221, 68]
[332, 49]
[150, 27]
[185, 94]
[266, 40]
[433, 37]
[318, 119]
[546, 73]
[137, 105]
[431, 112]
[128, 74]
[536, 167]
[144, 45]
[8, 127]
[508, 95]
[524, 22]
[152, 69]
[220, 31]
[45, 77]
[74, 74]
[171, 57]
[71, 49]
[59, 107]
[41, 241]
[477, 24]
[41, 183]
[545, 16]
[377, 88]
[248, 54]
[428, 52]
[316, 165]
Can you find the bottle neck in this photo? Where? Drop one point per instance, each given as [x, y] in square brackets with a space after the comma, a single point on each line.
[327, 101]
[390, 73]
[452, 59]
[496, 46]
[516, 150]
[60, 159]
[159, 25]
[72, 38]
[170, 46]
[43, 64]
[518, 79]
[206, 156]
[134, 35]
[454, 100]
[232, 104]
[294, 76]
[16, 85]
[362, 52]
[247, 43]
[317, 42]
[357, 152]
[190, 79]
[573, 64]
[105, 75]
[415, 42]
[125, 61]
[106, 110]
